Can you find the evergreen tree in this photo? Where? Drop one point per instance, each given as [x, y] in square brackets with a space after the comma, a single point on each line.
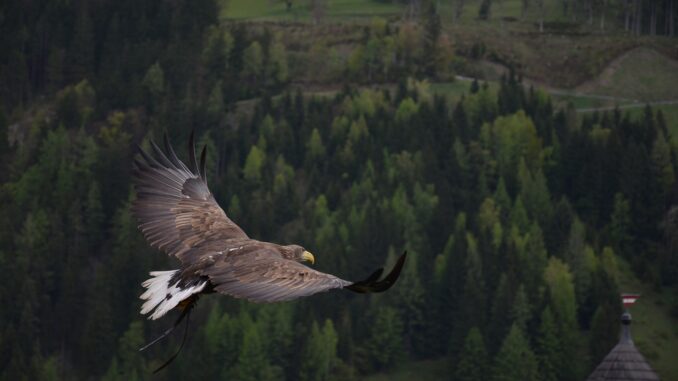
[432, 29]
[473, 361]
[320, 353]
[521, 311]
[154, 83]
[515, 360]
[129, 363]
[620, 225]
[473, 300]
[254, 165]
[384, 345]
[500, 319]
[252, 364]
[548, 347]
[563, 303]
[253, 63]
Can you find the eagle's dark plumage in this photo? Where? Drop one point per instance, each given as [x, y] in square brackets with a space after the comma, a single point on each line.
[178, 214]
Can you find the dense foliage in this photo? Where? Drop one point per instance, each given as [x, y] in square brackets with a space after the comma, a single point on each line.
[514, 214]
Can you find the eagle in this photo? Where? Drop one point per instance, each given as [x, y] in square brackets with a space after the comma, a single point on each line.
[178, 214]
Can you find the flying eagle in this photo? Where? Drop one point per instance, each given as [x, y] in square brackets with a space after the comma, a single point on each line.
[178, 214]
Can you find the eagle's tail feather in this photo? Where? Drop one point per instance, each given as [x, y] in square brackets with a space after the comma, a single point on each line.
[163, 293]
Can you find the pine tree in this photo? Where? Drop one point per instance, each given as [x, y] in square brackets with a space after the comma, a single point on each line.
[276, 68]
[473, 300]
[129, 363]
[532, 262]
[521, 311]
[410, 302]
[94, 216]
[432, 29]
[473, 361]
[316, 149]
[154, 84]
[252, 364]
[215, 106]
[254, 164]
[515, 360]
[662, 168]
[320, 354]
[563, 302]
[500, 323]
[503, 201]
[253, 63]
[620, 225]
[384, 346]
[548, 347]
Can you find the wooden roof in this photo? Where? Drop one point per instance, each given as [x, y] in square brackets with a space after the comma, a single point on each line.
[624, 362]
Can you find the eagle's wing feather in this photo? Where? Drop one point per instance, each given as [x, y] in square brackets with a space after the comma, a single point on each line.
[264, 276]
[174, 206]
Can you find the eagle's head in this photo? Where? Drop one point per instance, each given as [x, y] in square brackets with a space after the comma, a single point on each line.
[297, 253]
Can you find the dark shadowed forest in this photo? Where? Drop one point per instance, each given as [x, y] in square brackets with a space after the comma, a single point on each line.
[516, 212]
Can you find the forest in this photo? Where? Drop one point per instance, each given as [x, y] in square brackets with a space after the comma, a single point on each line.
[516, 213]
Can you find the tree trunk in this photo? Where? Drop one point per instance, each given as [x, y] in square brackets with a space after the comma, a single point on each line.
[526, 5]
[637, 17]
[672, 19]
[627, 15]
[573, 10]
[667, 13]
[541, 16]
[653, 18]
[458, 9]
[565, 7]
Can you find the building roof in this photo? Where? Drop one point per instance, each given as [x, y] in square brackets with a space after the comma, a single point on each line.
[624, 362]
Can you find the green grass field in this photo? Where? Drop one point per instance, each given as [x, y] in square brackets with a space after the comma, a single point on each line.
[300, 11]
[583, 102]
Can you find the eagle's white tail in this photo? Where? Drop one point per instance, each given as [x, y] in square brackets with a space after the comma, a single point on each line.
[162, 296]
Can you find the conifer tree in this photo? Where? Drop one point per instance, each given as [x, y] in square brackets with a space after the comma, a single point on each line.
[548, 347]
[384, 345]
[252, 364]
[320, 353]
[473, 300]
[515, 360]
[473, 361]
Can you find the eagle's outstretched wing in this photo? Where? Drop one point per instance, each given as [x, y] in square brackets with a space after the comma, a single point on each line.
[175, 209]
[264, 276]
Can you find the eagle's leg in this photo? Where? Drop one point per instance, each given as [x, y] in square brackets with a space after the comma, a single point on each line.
[186, 312]
[186, 309]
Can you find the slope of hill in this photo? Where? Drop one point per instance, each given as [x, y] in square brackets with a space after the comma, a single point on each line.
[642, 74]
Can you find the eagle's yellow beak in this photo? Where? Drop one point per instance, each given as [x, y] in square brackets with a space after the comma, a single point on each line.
[308, 257]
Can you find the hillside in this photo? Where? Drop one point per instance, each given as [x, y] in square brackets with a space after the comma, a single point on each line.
[641, 74]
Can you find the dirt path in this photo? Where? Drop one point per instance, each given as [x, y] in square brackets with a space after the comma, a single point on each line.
[623, 103]
[627, 106]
